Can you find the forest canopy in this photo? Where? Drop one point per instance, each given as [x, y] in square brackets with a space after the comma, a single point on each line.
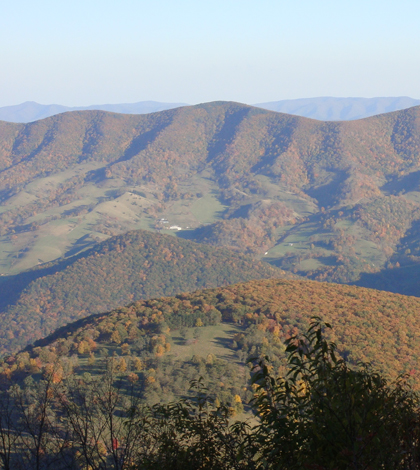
[123, 269]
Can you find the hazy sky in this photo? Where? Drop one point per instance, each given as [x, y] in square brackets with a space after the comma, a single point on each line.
[75, 52]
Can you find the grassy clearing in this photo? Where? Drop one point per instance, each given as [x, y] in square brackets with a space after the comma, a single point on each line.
[310, 265]
[179, 213]
[73, 227]
[368, 251]
[413, 196]
[207, 209]
[293, 242]
[56, 179]
[301, 206]
[62, 235]
[21, 199]
[296, 240]
[213, 340]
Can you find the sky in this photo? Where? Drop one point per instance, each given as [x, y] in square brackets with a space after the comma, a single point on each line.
[85, 52]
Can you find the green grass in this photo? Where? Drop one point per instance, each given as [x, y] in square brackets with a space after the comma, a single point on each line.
[129, 212]
[310, 265]
[294, 239]
[207, 209]
[213, 340]
[302, 206]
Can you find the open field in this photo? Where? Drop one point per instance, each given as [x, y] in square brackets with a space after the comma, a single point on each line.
[207, 209]
[215, 340]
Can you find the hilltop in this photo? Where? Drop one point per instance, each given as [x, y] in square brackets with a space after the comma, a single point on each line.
[326, 200]
[169, 341]
[129, 267]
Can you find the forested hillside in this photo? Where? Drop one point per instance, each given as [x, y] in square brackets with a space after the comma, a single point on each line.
[327, 200]
[107, 388]
[167, 342]
[316, 410]
[125, 268]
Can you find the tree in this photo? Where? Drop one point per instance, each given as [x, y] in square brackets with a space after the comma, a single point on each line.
[43, 443]
[326, 415]
[125, 349]
[197, 333]
[192, 434]
[9, 434]
[92, 359]
[183, 331]
[100, 419]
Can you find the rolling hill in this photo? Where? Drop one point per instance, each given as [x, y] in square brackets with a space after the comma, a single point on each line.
[129, 267]
[212, 332]
[85, 392]
[326, 200]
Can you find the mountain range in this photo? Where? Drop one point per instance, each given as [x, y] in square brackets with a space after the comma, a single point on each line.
[123, 238]
[142, 255]
[31, 111]
[340, 109]
[336, 201]
[178, 255]
[322, 108]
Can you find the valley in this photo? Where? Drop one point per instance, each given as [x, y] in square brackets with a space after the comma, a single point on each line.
[213, 280]
[330, 201]
[176, 256]
[101, 209]
[122, 269]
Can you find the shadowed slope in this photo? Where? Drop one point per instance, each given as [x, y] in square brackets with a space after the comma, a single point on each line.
[129, 267]
[263, 181]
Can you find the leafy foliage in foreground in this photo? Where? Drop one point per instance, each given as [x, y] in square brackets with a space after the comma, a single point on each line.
[125, 268]
[321, 414]
[324, 414]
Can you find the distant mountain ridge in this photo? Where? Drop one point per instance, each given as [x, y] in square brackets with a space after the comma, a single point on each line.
[31, 111]
[340, 109]
[322, 108]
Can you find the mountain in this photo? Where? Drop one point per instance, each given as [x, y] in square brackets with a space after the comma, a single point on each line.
[31, 111]
[211, 333]
[340, 109]
[323, 108]
[128, 267]
[326, 200]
